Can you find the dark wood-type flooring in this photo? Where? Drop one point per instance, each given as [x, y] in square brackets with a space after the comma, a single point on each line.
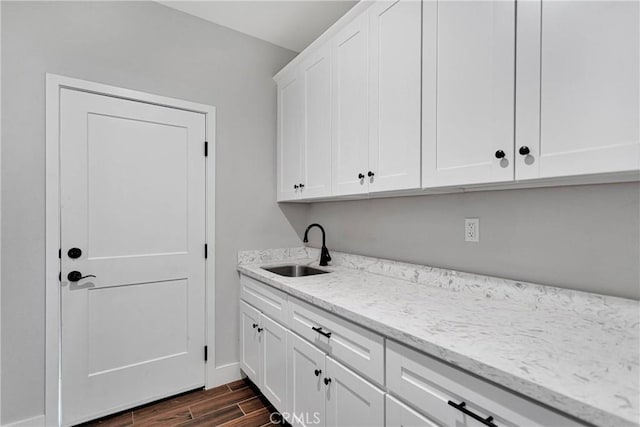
[237, 404]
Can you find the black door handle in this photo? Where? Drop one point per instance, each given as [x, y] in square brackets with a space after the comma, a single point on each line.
[74, 276]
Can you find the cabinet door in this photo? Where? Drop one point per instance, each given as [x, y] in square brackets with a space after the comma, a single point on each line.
[289, 147]
[273, 370]
[316, 81]
[400, 415]
[394, 118]
[352, 400]
[475, 43]
[306, 389]
[250, 341]
[350, 142]
[578, 88]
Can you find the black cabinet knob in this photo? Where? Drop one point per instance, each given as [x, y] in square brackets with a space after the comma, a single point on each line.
[317, 372]
[260, 329]
[370, 174]
[295, 186]
[74, 253]
[360, 176]
[301, 186]
[327, 381]
[524, 150]
[255, 325]
[74, 276]
[500, 154]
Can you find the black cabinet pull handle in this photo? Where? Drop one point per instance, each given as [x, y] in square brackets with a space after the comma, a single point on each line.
[370, 174]
[321, 332]
[500, 154]
[524, 150]
[255, 325]
[462, 407]
[74, 276]
[327, 381]
[360, 176]
[317, 372]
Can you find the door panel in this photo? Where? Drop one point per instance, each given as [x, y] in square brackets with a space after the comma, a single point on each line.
[475, 96]
[350, 142]
[352, 400]
[290, 132]
[250, 341]
[316, 72]
[133, 200]
[578, 104]
[394, 151]
[306, 390]
[273, 382]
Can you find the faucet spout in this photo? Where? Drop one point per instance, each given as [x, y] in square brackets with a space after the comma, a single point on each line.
[324, 252]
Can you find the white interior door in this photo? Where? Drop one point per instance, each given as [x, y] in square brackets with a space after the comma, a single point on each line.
[350, 124]
[395, 43]
[133, 201]
[475, 49]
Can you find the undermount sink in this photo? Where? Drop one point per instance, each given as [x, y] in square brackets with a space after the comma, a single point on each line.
[294, 270]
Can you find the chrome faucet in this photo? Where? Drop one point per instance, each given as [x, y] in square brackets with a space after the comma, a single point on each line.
[324, 252]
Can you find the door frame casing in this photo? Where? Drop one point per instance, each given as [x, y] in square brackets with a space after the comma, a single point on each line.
[54, 84]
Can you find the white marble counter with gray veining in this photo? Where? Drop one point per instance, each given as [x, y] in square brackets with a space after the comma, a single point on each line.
[573, 351]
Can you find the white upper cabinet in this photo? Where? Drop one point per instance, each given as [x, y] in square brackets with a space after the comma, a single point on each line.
[394, 115]
[289, 145]
[316, 80]
[468, 119]
[350, 141]
[577, 93]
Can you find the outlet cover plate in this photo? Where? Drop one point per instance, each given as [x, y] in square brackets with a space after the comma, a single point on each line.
[472, 229]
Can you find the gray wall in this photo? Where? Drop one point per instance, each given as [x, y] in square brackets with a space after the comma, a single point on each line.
[582, 237]
[151, 48]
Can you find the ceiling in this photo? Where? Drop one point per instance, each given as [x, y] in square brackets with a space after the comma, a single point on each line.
[290, 24]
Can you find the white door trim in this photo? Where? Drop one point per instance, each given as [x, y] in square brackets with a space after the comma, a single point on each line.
[54, 83]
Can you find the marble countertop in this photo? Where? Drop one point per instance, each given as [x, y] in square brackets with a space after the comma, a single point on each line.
[573, 351]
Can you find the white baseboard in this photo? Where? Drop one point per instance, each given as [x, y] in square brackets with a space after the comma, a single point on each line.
[224, 374]
[37, 421]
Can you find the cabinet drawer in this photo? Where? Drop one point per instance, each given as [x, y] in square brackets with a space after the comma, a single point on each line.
[429, 384]
[360, 349]
[268, 300]
[400, 415]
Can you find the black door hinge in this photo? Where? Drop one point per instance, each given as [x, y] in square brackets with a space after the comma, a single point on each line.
[60, 277]
[206, 148]
[206, 353]
[206, 251]
[60, 253]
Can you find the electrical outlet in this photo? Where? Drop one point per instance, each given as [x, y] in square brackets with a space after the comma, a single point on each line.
[472, 229]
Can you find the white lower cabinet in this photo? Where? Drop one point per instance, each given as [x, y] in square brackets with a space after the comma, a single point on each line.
[351, 400]
[263, 354]
[318, 369]
[400, 415]
[325, 393]
[249, 341]
[273, 362]
[306, 388]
